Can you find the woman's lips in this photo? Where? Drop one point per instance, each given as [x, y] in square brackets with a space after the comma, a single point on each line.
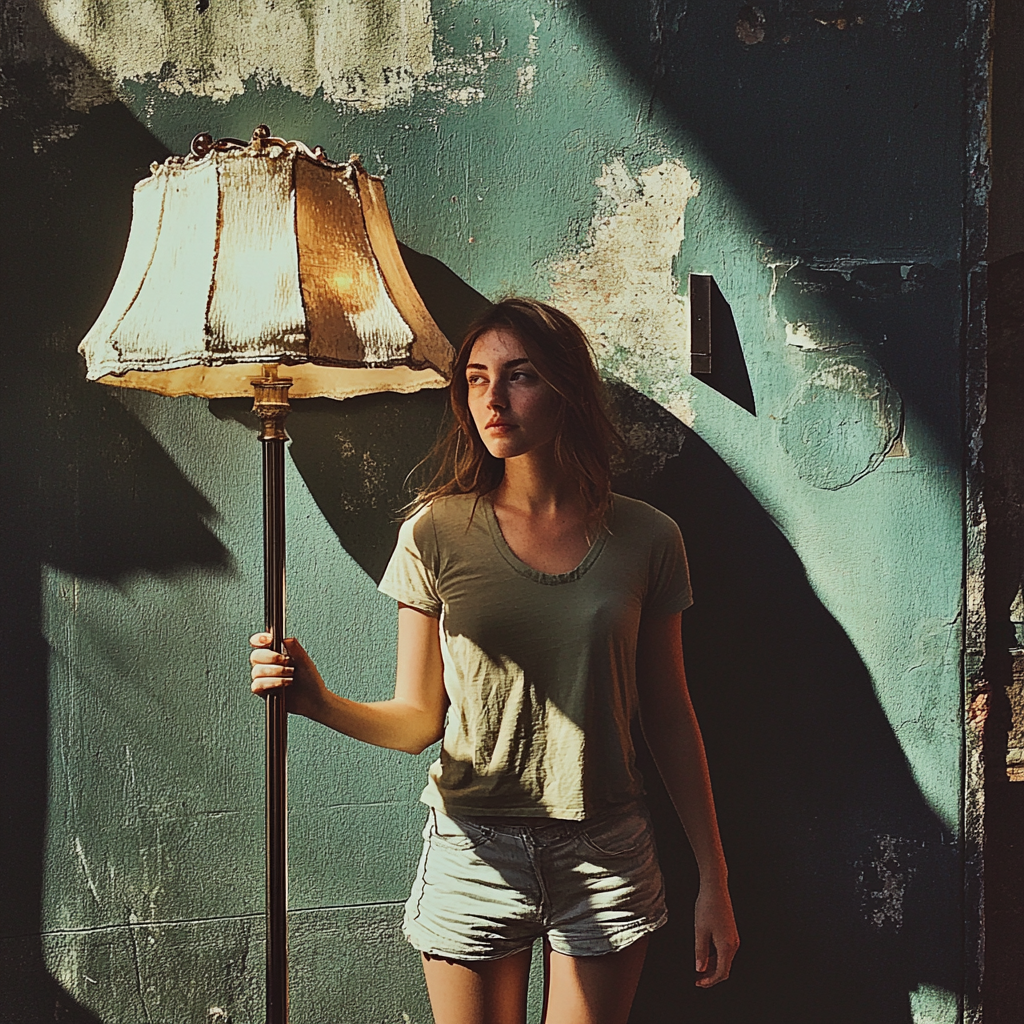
[499, 427]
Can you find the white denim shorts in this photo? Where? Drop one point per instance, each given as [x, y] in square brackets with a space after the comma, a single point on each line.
[485, 891]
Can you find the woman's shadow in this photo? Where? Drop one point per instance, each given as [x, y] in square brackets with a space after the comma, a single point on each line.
[845, 882]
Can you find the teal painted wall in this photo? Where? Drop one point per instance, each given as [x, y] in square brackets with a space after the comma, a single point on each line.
[816, 163]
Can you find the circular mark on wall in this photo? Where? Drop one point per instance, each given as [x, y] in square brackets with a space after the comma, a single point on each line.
[839, 424]
[750, 25]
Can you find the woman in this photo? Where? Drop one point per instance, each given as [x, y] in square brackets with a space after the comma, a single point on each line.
[538, 614]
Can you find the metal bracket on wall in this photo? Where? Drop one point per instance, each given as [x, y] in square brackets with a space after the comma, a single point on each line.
[700, 322]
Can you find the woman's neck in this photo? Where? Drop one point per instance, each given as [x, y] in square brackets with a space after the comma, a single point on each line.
[542, 514]
[534, 484]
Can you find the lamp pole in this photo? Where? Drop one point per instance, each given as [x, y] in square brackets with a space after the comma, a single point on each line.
[271, 406]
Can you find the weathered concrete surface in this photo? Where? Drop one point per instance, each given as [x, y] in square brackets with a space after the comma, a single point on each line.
[596, 153]
[359, 52]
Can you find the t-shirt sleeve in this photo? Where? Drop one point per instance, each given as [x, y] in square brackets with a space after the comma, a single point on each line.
[411, 575]
[668, 589]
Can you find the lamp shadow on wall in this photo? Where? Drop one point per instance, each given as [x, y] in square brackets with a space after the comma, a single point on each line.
[87, 490]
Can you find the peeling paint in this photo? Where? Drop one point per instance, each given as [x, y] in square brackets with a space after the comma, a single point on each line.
[650, 440]
[750, 25]
[882, 881]
[363, 53]
[470, 68]
[465, 96]
[525, 77]
[526, 73]
[620, 286]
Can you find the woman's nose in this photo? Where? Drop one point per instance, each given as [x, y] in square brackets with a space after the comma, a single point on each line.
[496, 396]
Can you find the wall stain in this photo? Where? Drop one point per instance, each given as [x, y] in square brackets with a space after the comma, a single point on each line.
[750, 25]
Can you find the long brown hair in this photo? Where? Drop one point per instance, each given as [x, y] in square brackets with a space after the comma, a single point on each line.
[561, 354]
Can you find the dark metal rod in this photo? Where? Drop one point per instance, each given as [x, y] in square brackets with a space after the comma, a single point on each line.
[271, 406]
[277, 737]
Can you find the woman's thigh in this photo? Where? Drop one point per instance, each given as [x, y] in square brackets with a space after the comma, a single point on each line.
[478, 991]
[591, 989]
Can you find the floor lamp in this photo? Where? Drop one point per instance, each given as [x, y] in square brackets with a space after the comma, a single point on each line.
[265, 258]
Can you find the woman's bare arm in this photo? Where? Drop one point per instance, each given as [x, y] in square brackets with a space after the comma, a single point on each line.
[410, 721]
[673, 735]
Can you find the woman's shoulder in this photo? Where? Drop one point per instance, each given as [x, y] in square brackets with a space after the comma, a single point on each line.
[632, 513]
[449, 514]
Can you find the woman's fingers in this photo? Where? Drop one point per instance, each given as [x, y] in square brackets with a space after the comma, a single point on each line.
[265, 656]
[702, 950]
[718, 962]
[271, 677]
[270, 670]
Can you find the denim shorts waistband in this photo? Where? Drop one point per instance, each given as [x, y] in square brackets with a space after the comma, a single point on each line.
[545, 830]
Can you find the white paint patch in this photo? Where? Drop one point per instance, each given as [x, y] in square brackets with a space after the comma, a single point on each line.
[465, 96]
[532, 44]
[620, 286]
[526, 73]
[369, 54]
[882, 880]
[525, 77]
[468, 68]
[801, 336]
[889, 894]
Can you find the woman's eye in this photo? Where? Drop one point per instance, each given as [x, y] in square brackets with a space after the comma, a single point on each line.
[474, 378]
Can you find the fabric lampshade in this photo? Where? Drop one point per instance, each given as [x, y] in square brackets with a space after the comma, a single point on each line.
[268, 253]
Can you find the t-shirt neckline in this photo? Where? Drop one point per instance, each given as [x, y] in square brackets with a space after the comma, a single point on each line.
[548, 578]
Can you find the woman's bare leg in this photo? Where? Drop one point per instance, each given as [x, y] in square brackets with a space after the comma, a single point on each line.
[591, 989]
[478, 991]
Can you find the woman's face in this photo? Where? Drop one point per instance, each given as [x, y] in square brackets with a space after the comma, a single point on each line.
[515, 410]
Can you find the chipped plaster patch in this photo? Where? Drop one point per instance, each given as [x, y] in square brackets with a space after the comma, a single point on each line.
[840, 422]
[525, 77]
[801, 336]
[620, 286]
[882, 879]
[367, 53]
[526, 73]
[465, 96]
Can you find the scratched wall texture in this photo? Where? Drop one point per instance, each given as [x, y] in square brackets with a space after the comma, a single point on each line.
[825, 163]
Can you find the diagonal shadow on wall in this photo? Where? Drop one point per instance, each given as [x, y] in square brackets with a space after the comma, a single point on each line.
[842, 155]
[86, 489]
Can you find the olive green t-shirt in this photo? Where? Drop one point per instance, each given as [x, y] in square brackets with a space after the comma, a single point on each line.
[540, 668]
